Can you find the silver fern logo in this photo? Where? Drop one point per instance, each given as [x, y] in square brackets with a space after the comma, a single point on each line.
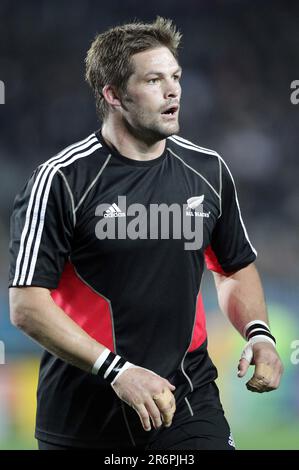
[196, 202]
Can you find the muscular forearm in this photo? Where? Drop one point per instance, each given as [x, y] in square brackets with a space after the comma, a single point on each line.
[241, 297]
[33, 310]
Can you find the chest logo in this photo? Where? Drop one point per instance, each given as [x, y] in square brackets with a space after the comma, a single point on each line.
[124, 221]
[193, 203]
[114, 211]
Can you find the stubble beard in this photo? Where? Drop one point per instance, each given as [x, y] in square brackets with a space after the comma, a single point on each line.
[164, 130]
[152, 131]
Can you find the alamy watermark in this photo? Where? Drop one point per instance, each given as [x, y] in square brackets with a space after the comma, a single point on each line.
[295, 94]
[295, 353]
[2, 92]
[156, 221]
[2, 353]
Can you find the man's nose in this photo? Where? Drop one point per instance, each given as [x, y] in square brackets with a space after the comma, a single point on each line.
[173, 89]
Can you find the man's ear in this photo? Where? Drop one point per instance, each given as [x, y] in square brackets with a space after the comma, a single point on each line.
[111, 96]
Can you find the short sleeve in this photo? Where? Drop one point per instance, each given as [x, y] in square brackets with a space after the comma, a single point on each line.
[230, 248]
[42, 226]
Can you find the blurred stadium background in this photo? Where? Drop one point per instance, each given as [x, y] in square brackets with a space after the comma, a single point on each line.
[239, 59]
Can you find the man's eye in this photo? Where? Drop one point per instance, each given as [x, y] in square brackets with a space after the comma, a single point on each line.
[177, 77]
[153, 80]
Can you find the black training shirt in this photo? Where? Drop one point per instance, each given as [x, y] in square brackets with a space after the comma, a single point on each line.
[114, 240]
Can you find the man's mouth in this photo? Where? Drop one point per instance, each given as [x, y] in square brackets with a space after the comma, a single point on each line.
[170, 111]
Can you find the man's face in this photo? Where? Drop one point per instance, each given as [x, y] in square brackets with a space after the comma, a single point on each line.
[150, 106]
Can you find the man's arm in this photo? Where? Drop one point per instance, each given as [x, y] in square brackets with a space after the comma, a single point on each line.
[241, 298]
[33, 311]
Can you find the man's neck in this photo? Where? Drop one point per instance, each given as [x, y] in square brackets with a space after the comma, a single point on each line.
[116, 136]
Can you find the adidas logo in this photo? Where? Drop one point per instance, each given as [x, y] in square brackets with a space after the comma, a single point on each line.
[114, 211]
[193, 203]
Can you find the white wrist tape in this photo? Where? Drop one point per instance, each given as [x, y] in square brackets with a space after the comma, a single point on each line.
[261, 338]
[256, 331]
[127, 365]
[247, 352]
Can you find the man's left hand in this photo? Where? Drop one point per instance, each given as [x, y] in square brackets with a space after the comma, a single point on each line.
[268, 367]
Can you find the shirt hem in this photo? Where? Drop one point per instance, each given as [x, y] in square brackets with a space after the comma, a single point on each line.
[45, 282]
[236, 267]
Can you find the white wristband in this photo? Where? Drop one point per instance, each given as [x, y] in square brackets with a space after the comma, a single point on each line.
[254, 322]
[109, 366]
[261, 338]
[260, 330]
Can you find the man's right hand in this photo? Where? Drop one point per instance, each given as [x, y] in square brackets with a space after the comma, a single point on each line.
[149, 394]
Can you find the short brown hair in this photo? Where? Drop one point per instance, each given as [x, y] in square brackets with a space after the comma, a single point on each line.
[108, 59]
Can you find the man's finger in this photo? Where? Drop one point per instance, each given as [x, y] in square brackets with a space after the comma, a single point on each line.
[246, 357]
[166, 404]
[167, 413]
[243, 367]
[154, 413]
[144, 416]
[260, 381]
[171, 386]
